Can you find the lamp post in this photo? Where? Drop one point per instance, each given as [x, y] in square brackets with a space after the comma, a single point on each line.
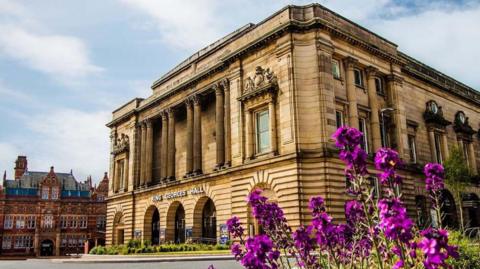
[384, 134]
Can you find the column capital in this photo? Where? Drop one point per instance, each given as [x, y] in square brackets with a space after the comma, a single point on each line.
[143, 125]
[371, 71]
[224, 84]
[170, 111]
[349, 62]
[148, 122]
[217, 88]
[196, 99]
[188, 101]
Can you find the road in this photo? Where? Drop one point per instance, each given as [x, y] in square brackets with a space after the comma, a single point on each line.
[47, 264]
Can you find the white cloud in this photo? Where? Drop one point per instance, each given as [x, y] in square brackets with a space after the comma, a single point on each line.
[55, 55]
[444, 39]
[8, 153]
[69, 139]
[189, 24]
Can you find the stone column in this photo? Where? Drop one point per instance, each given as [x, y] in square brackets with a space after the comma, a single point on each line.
[149, 153]
[143, 159]
[373, 102]
[249, 134]
[136, 156]
[125, 174]
[197, 135]
[164, 147]
[395, 85]
[446, 152]
[473, 161]
[228, 139]
[113, 141]
[171, 144]
[189, 140]
[219, 126]
[349, 63]
[431, 138]
[58, 241]
[272, 126]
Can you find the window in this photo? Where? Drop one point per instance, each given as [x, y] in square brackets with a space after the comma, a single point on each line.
[101, 222]
[413, 148]
[384, 127]
[340, 119]
[358, 77]
[54, 193]
[375, 186]
[362, 123]
[64, 242]
[63, 222]
[83, 222]
[48, 221]
[263, 133]
[20, 222]
[31, 222]
[120, 173]
[438, 148]
[100, 198]
[45, 191]
[335, 69]
[73, 222]
[7, 242]
[23, 241]
[379, 85]
[8, 222]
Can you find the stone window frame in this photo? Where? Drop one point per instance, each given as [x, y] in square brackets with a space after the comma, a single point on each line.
[257, 112]
[8, 222]
[7, 242]
[120, 158]
[361, 84]
[412, 137]
[336, 62]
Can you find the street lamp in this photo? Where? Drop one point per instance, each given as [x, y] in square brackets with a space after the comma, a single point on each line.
[382, 112]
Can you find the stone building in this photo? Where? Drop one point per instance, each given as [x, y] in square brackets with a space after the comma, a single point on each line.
[257, 108]
[50, 213]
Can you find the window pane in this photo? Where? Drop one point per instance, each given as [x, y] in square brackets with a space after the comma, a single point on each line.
[339, 117]
[335, 69]
[263, 134]
[358, 77]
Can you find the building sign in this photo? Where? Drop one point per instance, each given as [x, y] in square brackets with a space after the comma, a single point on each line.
[223, 234]
[177, 194]
[137, 234]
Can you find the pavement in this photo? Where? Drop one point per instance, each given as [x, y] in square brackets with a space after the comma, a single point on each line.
[121, 262]
[141, 258]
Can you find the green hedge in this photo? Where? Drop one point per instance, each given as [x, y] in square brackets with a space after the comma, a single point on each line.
[137, 247]
[469, 250]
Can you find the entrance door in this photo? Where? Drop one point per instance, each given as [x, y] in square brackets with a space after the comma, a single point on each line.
[155, 228]
[120, 237]
[209, 222]
[180, 225]
[46, 248]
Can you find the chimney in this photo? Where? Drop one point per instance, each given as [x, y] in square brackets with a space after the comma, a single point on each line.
[20, 166]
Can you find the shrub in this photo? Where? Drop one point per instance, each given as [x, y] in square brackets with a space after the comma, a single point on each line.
[468, 249]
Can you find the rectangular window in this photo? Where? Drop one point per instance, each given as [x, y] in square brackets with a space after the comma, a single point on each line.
[45, 191]
[54, 193]
[73, 223]
[31, 222]
[101, 222]
[384, 131]
[48, 221]
[7, 242]
[64, 242]
[63, 222]
[83, 222]
[358, 77]
[374, 186]
[438, 148]
[413, 148]
[362, 123]
[466, 153]
[20, 222]
[335, 69]
[23, 241]
[340, 119]
[263, 133]
[8, 222]
[379, 85]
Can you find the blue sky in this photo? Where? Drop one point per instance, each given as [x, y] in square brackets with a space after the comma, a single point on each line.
[65, 65]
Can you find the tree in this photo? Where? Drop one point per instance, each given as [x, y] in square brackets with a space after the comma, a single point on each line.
[457, 177]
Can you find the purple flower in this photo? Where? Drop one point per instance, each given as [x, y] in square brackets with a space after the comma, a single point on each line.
[354, 212]
[434, 245]
[234, 227]
[259, 253]
[305, 243]
[236, 251]
[434, 174]
[394, 220]
[387, 160]
[346, 137]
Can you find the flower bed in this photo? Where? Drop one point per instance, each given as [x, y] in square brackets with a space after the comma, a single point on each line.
[136, 247]
[377, 234]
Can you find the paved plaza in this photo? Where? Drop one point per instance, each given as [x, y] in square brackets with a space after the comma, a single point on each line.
[48, 264]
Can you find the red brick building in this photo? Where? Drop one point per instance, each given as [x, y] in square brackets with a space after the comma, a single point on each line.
[50, 213]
